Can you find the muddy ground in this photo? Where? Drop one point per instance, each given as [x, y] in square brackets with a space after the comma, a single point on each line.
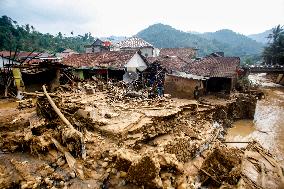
[114, 139]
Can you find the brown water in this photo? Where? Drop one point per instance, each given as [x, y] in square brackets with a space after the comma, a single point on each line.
[267, 126]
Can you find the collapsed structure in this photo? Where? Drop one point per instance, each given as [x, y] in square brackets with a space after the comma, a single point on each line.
[107, 139]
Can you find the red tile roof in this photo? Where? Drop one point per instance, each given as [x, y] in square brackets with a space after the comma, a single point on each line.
[114, 59]
[169, 63]
[185, 54]
[214, 67]
[174, 58]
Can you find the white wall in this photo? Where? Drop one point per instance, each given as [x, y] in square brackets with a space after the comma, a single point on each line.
[136, 62]
[6, 61]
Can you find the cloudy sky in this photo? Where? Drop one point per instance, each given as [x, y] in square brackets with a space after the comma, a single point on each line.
[127, 17]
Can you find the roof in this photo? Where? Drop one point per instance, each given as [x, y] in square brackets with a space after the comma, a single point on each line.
[188, 76]
[114, 59]
[169, 63]
[185, 54]
[133, 42]
[68, 51]
[214, 67]
[174, 59]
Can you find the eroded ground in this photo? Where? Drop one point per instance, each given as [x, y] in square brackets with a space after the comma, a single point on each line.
[123, 140]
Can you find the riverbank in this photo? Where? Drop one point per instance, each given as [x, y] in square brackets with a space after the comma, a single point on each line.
[267, 127]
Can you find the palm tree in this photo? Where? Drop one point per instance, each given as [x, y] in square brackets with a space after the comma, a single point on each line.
[274, 52]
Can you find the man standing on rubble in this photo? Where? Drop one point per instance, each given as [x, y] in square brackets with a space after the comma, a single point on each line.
[196, 93]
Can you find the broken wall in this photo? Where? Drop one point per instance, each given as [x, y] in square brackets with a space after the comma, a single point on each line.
[181, 87]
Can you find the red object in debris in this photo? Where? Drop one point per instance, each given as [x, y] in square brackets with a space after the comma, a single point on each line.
[107, 43]
[240, 71]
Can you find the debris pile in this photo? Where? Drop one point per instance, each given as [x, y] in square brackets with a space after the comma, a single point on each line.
[94, 135]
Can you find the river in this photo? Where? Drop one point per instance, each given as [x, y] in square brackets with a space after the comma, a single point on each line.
[268, 124]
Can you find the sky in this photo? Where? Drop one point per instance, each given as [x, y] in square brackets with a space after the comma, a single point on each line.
[128, 17]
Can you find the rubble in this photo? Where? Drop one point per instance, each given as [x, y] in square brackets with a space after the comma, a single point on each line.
[94, 135]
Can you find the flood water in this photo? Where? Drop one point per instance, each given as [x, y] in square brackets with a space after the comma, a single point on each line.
[267, 126]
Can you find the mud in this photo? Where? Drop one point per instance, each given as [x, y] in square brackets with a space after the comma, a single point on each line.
[128, 142]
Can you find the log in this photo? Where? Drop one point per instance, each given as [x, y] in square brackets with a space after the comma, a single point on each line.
[62, 117]
[235, 142]
[71, 161]
[69, 125]
[37, 94]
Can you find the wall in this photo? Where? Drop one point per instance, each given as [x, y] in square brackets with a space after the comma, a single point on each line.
[180, 87]
[6, 61]
[136, 62]
[89, 50]
[144, 50]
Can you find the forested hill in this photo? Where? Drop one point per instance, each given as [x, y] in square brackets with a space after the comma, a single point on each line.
[231, 43]
[238, 44]
[26, 38]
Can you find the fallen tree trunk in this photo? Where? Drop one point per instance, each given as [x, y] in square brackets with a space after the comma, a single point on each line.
[73, 131]
[71, 161]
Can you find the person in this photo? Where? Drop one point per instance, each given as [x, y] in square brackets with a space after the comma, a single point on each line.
[196, 93]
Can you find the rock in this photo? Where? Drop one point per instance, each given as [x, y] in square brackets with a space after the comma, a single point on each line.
[72, 174]
[61, 161]
[104, 164]
[61, 183]
[48, 181]
[123, 174]
[124, 159]
[182, 186]
[145, 171]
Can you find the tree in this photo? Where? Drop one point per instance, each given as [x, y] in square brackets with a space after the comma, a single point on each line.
[274, 52]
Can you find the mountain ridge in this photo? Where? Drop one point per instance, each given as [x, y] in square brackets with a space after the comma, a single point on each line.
[228, 41]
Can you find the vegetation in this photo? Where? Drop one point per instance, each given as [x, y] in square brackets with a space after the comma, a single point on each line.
[274, 52]
[26, 38]
[231, 43]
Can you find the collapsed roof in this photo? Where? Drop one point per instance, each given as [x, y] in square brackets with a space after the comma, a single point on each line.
[108, 59]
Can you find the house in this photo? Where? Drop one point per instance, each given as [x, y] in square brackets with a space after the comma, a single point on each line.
[182, 85]
[174, 59]
[136, 44]
[177, 83]
[97, 46]
[221, 72]
[106, 65]
[32, 70]
[66, 53]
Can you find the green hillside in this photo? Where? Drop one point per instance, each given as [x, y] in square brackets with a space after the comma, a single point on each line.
[233, 44]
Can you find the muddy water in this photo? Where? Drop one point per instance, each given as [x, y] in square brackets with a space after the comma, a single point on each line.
[267, 126]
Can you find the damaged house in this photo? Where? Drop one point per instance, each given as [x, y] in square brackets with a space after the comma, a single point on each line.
[97, 46]
[137, 44]
[106, 65]
[177, 83]
[221, 72]
[30, 70]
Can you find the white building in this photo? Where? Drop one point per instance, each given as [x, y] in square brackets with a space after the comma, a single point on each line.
[135, 43]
